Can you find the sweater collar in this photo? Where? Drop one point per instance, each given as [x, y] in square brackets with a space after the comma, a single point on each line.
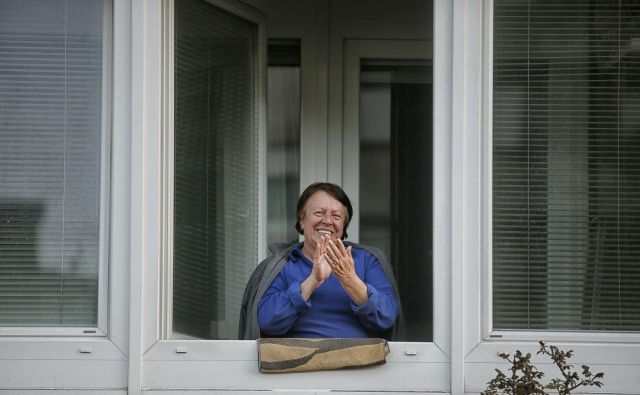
[296, 253]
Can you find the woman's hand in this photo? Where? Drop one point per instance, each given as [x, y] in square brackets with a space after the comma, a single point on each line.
[341, 261]
[320, 272]
[321, 268]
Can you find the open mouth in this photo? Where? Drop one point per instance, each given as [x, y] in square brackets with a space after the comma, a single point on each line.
[325, 232]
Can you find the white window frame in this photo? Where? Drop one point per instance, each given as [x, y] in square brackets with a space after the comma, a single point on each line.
[167, 365]
[616, 354]
[158, 356]
[487, 330]
[45, 358]
[168, 149]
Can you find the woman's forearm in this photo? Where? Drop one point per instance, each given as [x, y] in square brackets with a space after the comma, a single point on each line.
[356, 289]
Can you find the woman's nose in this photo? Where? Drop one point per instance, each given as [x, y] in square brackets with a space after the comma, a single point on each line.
[326, 219]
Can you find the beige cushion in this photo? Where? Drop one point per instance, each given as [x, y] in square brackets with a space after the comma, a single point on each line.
[281, 355]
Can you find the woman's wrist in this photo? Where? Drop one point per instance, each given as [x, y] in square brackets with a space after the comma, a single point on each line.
[356, 289]
[309, 285]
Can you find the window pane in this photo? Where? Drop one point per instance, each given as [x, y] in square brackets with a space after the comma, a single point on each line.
[566, 165]
[50, 161]
[396, 180]
[215, 196]
[283, 139]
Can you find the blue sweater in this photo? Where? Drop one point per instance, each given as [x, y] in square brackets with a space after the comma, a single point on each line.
[329, 312]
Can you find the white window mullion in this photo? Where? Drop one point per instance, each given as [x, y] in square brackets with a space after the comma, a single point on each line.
[105, 176]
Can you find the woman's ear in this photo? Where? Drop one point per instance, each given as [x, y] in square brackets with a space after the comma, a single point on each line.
[300, 224]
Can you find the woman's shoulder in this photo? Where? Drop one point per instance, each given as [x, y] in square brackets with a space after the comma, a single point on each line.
[269, 266]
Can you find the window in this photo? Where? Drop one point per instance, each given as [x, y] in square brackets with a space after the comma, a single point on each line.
[53, 161]
[566, 165]
[215, 209]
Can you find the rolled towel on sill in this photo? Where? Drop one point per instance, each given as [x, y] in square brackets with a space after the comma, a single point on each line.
[283, 355]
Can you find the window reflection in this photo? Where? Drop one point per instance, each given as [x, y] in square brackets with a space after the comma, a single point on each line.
[215, 196]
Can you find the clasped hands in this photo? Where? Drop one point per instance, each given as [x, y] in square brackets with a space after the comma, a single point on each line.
[331, 256]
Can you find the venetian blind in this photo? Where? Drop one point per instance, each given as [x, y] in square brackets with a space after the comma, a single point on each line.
[566, 165]
[50, 161]
[216, 164]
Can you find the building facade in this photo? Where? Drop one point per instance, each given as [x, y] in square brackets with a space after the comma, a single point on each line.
[151, 150]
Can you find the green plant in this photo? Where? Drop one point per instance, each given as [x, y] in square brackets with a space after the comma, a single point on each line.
[524, 378]
[570, 379]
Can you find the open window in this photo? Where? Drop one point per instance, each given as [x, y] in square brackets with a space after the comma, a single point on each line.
[205, 264]
[217, 157]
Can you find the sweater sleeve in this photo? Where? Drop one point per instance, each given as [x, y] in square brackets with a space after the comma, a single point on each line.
[380, 311]
[280, 307]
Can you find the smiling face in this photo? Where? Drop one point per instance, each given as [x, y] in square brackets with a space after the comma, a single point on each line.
[322, 215]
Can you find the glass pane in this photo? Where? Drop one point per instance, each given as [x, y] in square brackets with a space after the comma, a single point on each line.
[215, 196]
[396, 180]
[50, 161]
[283, 139]
[566, 165]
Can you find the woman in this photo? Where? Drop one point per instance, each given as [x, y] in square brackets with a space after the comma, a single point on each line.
[322, 287]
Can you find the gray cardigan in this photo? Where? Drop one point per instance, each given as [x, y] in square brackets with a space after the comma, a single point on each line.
[269, 269]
